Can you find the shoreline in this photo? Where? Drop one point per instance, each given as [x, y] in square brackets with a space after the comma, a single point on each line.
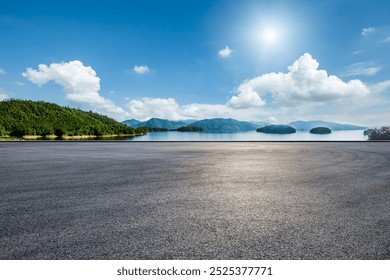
[64, 137]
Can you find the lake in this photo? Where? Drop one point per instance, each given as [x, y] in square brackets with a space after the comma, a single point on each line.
[345, 135]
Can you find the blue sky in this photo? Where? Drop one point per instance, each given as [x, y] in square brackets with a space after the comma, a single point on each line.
[251, 60]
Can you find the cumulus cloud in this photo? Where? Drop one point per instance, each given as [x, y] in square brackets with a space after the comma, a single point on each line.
[206, 111]
[225, 52]
[168, 108]
[247, 97]
[2, 71]
[79, 82]
[303, 81]
[302, 89]
[367, 31]
[362, 69]
[146, 108]
[141, 70]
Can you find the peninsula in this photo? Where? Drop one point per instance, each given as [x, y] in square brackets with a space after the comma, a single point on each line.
[33, 119]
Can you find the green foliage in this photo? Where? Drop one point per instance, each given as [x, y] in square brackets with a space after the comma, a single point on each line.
[3, 132]
[19, 118]
[277, 129]
[320, 130]
[379, 134]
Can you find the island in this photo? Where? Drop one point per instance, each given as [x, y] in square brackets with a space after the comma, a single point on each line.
[277, 129]
[320, 130]
[25, 119]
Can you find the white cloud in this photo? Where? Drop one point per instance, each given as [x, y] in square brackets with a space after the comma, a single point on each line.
[304, 81]
[367, 31]
[207, 111]
[272, 120]
[380, 87]
[79, 82]
[140, 70]
[225, 52]
[292, 95]
[357, 52]
[2, 71]
[168, 108]
[147, 108]
[386, 40]
[362, 69]
[3, 95]
[19, 84]
[247, 97]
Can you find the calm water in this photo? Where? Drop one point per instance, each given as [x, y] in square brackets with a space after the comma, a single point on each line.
[351, 135]
[345, 135]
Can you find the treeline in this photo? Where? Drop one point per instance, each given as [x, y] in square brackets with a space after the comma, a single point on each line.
[181, 129]
[21, 117]
[190, 128]
[378, 133]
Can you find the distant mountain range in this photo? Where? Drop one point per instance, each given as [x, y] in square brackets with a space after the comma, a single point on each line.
[211, 125]
[308, 125]
[156, 123]
[225, 125]
[131, 123]
[232, 125]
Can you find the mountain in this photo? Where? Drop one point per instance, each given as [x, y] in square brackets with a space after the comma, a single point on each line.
[307, 125]
[23, 117]
[188, 122]
[156, 123]
[131, 123]
[224, 125]
[260, 123]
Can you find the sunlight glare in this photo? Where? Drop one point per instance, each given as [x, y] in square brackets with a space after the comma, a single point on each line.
[269, 36]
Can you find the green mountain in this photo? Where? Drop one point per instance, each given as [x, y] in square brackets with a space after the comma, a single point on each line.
[131, 123]
[156, 123]
[224, 125]
[20, 117]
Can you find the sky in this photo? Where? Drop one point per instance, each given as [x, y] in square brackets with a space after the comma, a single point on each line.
[253, 60]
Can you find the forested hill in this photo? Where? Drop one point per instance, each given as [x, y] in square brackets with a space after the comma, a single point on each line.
[20, 117]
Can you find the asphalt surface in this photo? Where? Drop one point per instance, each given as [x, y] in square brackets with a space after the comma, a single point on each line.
[125, 200]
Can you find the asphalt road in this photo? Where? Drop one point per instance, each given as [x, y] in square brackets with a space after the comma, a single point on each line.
[125, 200]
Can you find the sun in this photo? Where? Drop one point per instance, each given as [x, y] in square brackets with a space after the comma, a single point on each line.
[269, 36]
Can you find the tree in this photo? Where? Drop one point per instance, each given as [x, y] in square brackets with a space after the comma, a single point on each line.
[3, 132]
